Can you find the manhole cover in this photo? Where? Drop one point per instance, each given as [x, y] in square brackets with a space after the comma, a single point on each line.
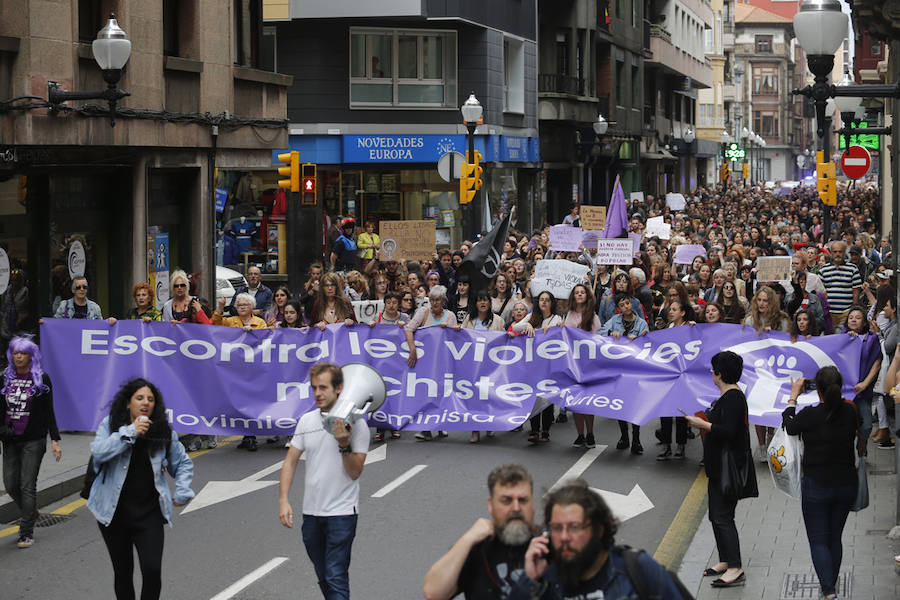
[51, 519]
[806, 585]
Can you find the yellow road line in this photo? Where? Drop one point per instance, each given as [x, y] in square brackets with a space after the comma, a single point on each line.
[76, 504]
[678, 537]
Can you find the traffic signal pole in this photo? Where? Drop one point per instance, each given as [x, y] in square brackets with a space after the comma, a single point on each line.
[826, 149]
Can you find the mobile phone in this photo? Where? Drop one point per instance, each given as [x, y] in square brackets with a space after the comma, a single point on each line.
[550, 554]
[682, 412]
[809, 385]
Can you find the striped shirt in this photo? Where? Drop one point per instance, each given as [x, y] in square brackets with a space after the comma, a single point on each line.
[839, 285]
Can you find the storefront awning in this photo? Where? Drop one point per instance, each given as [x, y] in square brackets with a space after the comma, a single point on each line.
[661, 155]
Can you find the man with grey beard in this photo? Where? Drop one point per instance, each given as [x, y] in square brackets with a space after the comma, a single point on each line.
[490, 555]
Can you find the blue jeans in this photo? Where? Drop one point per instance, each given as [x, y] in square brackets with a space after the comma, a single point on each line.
[864, 406]
[328, 541]
[825, 510]
[21, 463]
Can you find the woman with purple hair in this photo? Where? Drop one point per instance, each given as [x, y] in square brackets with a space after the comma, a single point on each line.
[26, 416]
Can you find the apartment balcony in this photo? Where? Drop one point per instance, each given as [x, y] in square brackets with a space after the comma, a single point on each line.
[551, 83]
[675, 61]
[728, 92]
[564, 98]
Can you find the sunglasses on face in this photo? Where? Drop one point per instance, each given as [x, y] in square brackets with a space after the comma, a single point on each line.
[180, 285]
[81, 287]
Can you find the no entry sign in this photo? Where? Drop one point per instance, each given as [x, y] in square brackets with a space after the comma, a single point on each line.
[855, 162]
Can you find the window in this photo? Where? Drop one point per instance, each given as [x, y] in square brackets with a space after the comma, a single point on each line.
[635, 86]
[709, 42]
[404, 67]
[876, 48]
[765, 123]
[92, 17]
[764, 44]
[765, 80]
[620, 83]
[514, 75]
[247, 33]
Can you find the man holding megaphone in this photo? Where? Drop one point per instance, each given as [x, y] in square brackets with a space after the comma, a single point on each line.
[336, 440]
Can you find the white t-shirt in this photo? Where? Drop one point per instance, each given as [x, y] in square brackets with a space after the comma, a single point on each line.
[327, 489]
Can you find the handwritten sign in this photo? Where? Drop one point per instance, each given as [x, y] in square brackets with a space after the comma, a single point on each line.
[557, 277]
[367, 310]
[565, 238]
[639, 196]
[407, 240]
[675, 201]
[686, 253]
[593, 218]
[656, 227]
[773, 268]
[615, 252]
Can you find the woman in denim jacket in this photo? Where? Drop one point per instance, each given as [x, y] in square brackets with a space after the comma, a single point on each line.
[130, 497]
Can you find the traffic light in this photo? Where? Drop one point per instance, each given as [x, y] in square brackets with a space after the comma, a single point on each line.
[746, 170]
[309, 184]
[826, 183]
[470, 178]
[292, 171]
[725, 172]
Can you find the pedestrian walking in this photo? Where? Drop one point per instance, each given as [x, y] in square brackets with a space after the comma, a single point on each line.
[133, 448]
[26, 417]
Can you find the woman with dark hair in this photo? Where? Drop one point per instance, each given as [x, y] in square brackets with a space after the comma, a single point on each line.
[482, 318]
[460, 302]
[275, 313]
[331, 305]
[292, 316]
[677, 313]
[581, 315]
[869, 367]
[803, 325]
[726, 434]
[829, 481]
[621, 285]
[714, 313]
[801, 298]
[130, 497]
[733, 305]
[501, 296]
[26, 417]
[143, 304]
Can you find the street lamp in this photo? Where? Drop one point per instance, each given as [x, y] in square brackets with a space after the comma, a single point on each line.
[688, 136]
[472, 112]
[601, 125]
[848, 106]
[111, 51]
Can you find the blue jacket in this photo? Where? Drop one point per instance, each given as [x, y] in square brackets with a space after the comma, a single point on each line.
[616, 584]
[264, 297]
[615, 324]
[608, 307]
[66, 309]
[112, 456]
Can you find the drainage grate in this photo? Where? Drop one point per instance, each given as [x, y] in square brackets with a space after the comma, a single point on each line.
[806, 585]
[51, 519]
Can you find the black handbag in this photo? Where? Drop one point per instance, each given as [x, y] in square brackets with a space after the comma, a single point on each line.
[736, 480]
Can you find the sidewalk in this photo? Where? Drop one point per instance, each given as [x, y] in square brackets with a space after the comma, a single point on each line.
[775, 550]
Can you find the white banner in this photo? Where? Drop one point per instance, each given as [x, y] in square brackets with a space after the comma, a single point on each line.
[615, 252]
[558, 277]
[656, 227]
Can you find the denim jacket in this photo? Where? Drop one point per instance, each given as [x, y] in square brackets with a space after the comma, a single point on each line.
[616, 585]
[66, 309]
[112, 456]
[615, 323]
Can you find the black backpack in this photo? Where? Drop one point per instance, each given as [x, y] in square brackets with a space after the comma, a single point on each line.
[89, 477]
[637, 575]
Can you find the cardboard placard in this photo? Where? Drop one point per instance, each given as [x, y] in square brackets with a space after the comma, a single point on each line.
[675, 201]
[617, 251]
[557, 276]
[593, 218]
[639, 196]
[406, 240]
[773, 268]
[656, 227]
[565, 238]
[686, 253]
[636, 238]
[367, 310]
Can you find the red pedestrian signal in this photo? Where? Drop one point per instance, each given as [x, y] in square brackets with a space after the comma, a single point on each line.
[308, 184]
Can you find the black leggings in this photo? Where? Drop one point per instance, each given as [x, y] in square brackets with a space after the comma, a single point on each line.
[147, 538]
[542, 421]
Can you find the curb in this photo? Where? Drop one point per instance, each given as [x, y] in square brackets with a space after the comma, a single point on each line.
[50, 490]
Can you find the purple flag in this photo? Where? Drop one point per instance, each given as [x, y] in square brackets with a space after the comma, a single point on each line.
[617, 214]
[223, 380]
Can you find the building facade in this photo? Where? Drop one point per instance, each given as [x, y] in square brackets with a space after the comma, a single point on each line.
[376, 101]
[79, 196]
[712, 111]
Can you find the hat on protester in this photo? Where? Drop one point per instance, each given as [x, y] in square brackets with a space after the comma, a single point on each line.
[348, 222]
[855, 250]
[799, 246]
[886, 274]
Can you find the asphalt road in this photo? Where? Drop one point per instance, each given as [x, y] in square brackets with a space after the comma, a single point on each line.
[400, 534]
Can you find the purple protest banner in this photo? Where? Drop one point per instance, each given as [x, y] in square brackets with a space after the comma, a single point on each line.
[223, 380]
[685, 253]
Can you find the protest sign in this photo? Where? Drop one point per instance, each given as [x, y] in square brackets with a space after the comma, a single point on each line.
[615, 252]
[675, 201]
[557, 276]
[656, 227]
[590, 237]
[639, 196]
[773, 268]
[685, 253]
[565, 238]
[407, 240]
[226, 381]
[593, 218]
[367, 310]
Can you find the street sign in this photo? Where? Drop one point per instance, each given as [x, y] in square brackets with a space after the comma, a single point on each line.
[444, 170]
[855, 162]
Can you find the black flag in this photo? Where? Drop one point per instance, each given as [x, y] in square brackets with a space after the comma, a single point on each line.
[483, 261]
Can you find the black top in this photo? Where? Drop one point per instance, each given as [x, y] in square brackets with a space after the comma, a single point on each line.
[139, 500]
[728, 416]
[489, 570]
[42, 419]
[828, 444]
[79, 311]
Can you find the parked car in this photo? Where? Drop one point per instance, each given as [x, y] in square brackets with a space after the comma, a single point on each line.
[227, 281]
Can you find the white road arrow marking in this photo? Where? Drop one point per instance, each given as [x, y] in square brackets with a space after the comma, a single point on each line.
[219, 491]
[398, 482]
[580, 466]
[235, 588]
[625, 507]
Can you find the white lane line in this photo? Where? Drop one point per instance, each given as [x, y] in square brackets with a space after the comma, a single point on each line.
[232, 590]
[398, 482]
[580, 466]
[267, 471]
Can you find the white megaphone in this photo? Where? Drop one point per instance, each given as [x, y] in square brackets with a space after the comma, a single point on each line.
[363, 392]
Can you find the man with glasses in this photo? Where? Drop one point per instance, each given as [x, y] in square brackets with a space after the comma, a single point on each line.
[256, 289]
[78, 306]
[577, 556]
